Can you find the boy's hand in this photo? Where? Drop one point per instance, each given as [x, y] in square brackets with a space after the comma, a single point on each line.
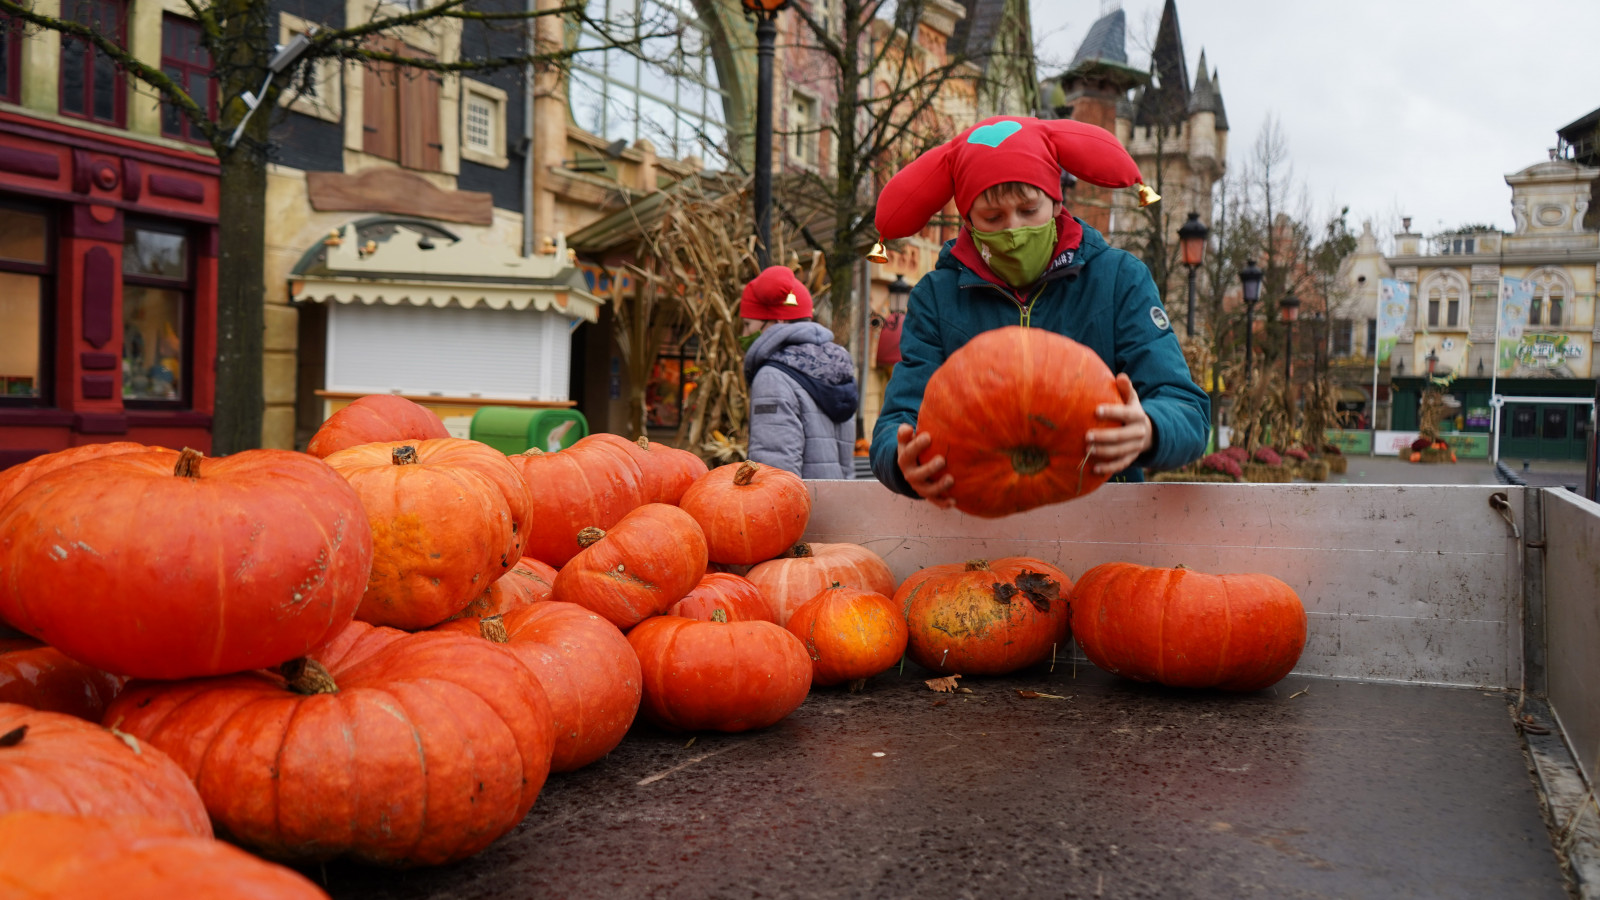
[1115, 449]
[929, 481]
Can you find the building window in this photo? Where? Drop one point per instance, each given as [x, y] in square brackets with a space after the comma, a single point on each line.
[1342, 329]
[188, 63]
[804, 125]
[26, 307]
[483, 124]
[1457, 245]
[1555, 308]
[1372, 337]
[400, 119]
[315, 90]
[157, 296]
[1452, 308]
[10, 59]
[675, 103]
[672, 381]
[1536, 311]
[1433, 309]
[91, 85]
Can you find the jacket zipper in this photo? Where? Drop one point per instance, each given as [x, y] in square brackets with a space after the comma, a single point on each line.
[1027, 309]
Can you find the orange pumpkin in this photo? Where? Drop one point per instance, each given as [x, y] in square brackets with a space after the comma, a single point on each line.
[667, 471]
[19, 476]
[52, 762]
[529, 581]
[392, 748]
[850, 634]
[142, 566]
[589, 485]
[737, 598]
[41, 677]
[750, 513]
[649, 561]
[132, 858]
[375, 418]
[1009, 412]
[1184, 628]
[719, 676]
[989, 618]
[445, 520]
[589, 673]
[805, 570]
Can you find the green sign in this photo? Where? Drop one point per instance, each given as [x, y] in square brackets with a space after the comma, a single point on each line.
[1467, 445]
[1350, 442]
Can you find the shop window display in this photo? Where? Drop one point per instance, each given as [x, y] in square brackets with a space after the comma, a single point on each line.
[24, 281]
[155, 291]
[671, 384]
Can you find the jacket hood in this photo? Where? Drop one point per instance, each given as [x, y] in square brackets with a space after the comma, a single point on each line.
[805, 351]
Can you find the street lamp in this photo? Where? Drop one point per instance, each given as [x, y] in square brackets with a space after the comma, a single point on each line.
[1192, 238]
[1433, 360]
[1290, 306]
[889, 336]
[766, 13]
[1250, 281]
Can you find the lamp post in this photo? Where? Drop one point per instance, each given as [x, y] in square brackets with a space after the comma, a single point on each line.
[1250, 285]
[1290, 307]
[1192, 238]
[766, 13]
[1433, 360]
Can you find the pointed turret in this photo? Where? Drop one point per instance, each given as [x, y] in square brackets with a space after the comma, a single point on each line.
[1216, 93]
[1167, 101]
[1202, 98]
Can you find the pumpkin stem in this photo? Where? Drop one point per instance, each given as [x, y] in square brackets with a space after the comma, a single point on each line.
[404, 456]
[857, 685]
[1029, 460]
[643, 441]
[719, 615]
[589, 536]
[532, 451]
[977, 565]
[746, 472]
[307, 676]
[798, 551]
[493, 628]
[836, 585]
[14, 736]
[188, 465]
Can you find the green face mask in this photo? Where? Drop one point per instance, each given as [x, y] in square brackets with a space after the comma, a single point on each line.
[1019, 255]
[748, 340]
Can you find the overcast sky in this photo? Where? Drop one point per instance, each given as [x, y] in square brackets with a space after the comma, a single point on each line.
[1414, 107]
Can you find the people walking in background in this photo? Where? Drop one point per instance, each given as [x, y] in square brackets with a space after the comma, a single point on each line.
[803, 394]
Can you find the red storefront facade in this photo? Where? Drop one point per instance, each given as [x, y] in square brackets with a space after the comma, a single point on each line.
[108, 297]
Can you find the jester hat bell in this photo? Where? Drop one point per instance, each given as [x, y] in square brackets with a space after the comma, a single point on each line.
[997, 150]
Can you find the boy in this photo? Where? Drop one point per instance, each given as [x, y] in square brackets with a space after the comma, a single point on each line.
[1022, 259]
[802, 385]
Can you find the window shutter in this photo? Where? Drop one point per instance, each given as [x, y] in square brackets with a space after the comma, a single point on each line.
[380, 101]
[420, 143]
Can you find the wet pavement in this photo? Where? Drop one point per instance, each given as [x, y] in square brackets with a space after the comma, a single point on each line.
[1392, 470]
[1314, 788]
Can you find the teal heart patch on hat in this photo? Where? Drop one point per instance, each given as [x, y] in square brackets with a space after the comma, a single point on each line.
[995, 134]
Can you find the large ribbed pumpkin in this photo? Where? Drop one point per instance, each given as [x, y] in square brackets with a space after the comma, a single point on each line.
[667, 471]
[805, 570]
[446, 517]
[66, 857]
[375, 418]
[392, 748]
[143, 566]
[588, 671]
[19, 476]
[988, 618]
[1009, 412]
[750, 513]
[52, 762]
[529, 581]
[719, 676]
[850, 634]
[646, 563]
[1185, 628]
[737, 598]
[42, 677]
[589, 484]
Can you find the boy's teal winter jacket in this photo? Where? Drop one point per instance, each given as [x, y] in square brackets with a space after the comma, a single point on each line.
[1099, 296]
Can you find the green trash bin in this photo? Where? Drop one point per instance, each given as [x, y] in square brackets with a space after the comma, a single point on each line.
[513, 429]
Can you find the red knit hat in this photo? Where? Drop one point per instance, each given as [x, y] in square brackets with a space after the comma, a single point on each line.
[997, 150]
[775, 294]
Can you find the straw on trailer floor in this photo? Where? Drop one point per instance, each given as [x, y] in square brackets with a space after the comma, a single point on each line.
[1314, 788]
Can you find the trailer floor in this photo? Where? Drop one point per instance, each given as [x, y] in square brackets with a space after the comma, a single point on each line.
[1117, 790]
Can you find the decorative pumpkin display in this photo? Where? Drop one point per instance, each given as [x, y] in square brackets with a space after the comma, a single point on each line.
[52, 762]
[529, 581]
[667, 471]
[162, 565]
[649, 561]
[1184, 628]
[392, 748]
[850, 634]
[989, 618]
[67, 857]
[586, 485]
[719, 676]
[375, 418]
[445, 520]
[19, 476]
[41, 677]
[738, 599]
[805, 570]
[1009, 412]
[750, 513]
[589, 673]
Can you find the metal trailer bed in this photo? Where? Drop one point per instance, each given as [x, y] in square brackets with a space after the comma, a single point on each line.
[1389, 764]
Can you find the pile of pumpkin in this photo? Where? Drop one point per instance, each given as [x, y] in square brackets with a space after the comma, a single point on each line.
[382, 647]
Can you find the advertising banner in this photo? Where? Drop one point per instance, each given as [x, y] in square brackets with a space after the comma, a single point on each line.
[1516, 295]
[1394, 306]
[1540, 354]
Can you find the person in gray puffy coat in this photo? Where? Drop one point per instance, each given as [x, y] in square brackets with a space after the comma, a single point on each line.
[803, 393]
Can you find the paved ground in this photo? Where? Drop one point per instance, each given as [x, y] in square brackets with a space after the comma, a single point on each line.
[1391, 470]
